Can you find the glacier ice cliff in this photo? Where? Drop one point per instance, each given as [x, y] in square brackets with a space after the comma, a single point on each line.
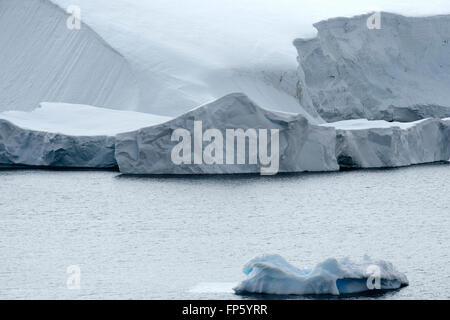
[400, 72]
[24, 147]
[302, 146]
[379, 144]
[69, 135]
[272, 274]
[42, 60]
[66, 135]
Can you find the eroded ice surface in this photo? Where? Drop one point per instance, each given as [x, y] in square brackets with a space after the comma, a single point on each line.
[66, 135]
[52, 134]
[398, 72]
[272, 274]
[378, 144]
[302, 145]
[24, 147]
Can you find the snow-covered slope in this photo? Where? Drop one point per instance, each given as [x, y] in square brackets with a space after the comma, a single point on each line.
[187, 53]
[271, 274]
[42, 60]
[81, 120]
[302, 146]
[169, 56]
[350, 71]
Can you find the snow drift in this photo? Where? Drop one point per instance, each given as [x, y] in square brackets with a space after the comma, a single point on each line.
[302, 146]
[271, 274]
[399, 72]
[42, 60]
[79, 120]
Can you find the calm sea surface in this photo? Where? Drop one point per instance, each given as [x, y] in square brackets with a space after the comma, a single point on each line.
[165, 237]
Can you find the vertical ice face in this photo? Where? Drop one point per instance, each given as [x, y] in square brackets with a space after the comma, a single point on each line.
[424, 141]
[24, 147]
[400, 71]
[231, 135]
[41, 59]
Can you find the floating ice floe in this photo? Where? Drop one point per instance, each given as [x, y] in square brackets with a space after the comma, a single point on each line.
[271, 274]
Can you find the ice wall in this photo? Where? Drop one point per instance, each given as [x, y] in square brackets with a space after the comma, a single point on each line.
[66, 135]
[398, 72]
[24, 147]
[380, 144]
[302, 146]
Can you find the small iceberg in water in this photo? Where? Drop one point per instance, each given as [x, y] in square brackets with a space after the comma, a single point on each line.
[272, 274]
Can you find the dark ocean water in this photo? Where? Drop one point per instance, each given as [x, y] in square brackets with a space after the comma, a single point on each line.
[189, 237]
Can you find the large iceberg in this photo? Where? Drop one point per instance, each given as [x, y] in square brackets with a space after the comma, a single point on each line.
[400, 71]
[300, 146]
[68, 135]
[65, 135]
[272, 274]
[379, 144]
